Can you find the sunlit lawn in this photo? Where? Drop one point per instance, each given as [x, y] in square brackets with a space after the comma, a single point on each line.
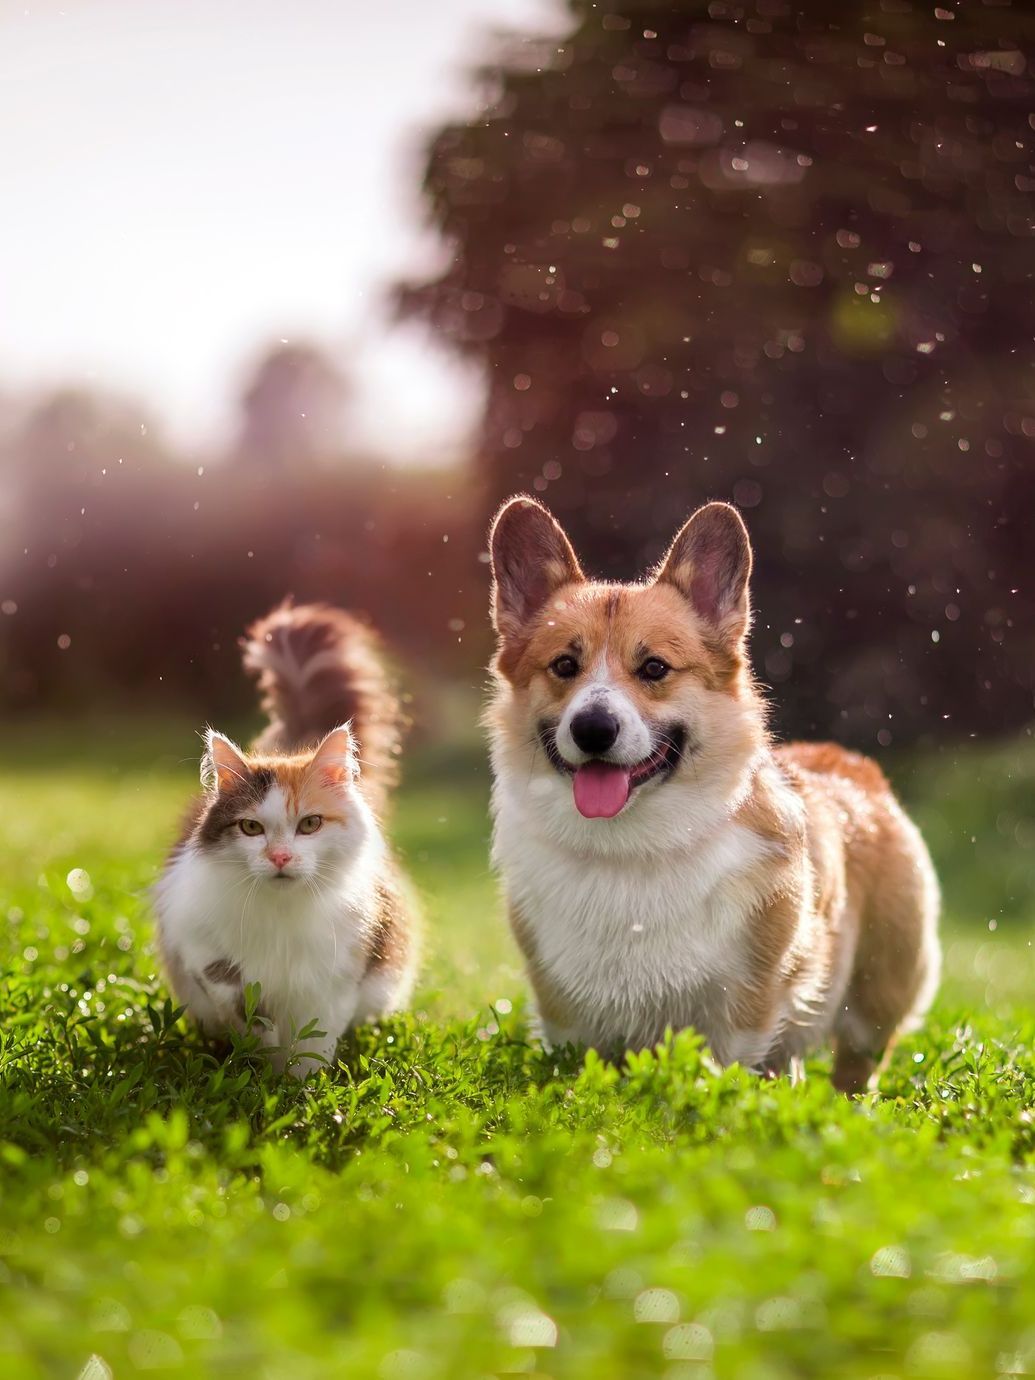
[450, 1201]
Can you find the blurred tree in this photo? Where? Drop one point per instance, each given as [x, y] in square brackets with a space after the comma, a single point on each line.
[293, 410]
[74, 436]
[74, 456]
[779, 253]
[127, 574]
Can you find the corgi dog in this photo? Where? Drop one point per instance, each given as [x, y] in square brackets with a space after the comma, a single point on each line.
[664, 863]
[282, 875]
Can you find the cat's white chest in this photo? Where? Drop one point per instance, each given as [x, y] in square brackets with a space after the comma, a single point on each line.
[634, 945]
[296, 946]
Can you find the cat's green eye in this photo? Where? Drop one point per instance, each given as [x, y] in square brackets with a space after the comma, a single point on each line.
[251, 827]
[309, 824]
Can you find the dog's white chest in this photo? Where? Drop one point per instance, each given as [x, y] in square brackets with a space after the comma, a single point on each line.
[635, 945]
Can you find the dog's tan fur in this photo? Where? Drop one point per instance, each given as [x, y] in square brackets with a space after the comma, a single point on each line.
[830, 903]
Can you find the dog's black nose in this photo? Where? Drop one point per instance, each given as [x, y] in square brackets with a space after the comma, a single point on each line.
[594, 730]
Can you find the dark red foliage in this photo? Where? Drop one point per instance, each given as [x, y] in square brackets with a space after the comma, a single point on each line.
[778, 253]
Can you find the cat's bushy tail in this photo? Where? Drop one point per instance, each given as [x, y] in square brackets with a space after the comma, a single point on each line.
[319, 667]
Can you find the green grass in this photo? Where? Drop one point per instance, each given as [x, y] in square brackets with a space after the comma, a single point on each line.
[451, 1201]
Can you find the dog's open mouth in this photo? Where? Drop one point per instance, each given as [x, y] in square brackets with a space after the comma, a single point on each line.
[601, 788]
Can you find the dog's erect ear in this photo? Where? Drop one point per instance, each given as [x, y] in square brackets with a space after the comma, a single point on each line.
[531, 557]
[710, 563]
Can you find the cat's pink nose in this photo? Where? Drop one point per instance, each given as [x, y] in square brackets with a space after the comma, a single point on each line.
[280, 857]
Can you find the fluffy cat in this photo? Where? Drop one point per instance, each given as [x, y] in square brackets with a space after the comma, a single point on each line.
[282, 876]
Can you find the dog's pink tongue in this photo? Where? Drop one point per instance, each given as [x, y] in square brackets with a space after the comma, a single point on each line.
[601, 789]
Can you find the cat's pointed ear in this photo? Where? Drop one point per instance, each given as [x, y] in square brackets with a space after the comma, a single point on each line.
[709, 562]
[531, 557]
[223, 766]
[335, 759]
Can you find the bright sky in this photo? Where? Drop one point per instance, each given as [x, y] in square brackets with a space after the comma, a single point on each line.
[186, 180]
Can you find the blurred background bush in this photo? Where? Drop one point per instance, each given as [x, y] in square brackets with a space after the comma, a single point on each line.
[777, 253]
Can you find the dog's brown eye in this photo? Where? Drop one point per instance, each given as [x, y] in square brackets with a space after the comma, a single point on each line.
[654, 669]
[564, 667]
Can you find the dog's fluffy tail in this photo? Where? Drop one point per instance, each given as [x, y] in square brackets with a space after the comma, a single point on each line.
[319, 667]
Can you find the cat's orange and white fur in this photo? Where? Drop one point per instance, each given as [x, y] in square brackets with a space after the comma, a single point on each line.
[665, 863]
[283, 876]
